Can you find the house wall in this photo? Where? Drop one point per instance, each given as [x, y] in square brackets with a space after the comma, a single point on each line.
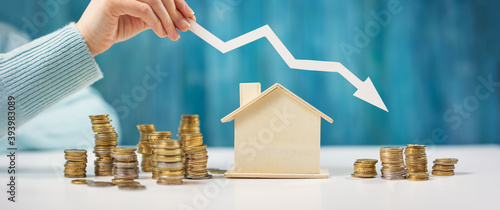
[277, 135]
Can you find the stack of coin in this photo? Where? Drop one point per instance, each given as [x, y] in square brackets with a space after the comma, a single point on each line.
[105, 140]
[365, 168]
[125, 163]
[393, 165]
[196, 156]
[444, 167]
[189, 124]
[154, 137]
[76, 163]
[169, 162]
[144, 146]
[418, 176]
[416, 159]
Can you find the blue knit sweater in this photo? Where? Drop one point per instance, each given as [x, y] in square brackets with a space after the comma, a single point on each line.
[42, 72]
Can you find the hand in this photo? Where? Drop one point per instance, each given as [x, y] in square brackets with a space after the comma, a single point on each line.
[106, 22]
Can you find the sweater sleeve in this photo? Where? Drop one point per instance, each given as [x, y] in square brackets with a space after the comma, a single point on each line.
[43, 72]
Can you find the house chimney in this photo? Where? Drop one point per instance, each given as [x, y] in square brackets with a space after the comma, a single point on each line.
[248, 91]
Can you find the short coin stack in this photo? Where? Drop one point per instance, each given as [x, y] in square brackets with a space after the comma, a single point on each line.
[416, 159]
[76, 163]
[195, 164]
[393, 165]
[365, 168]
[444, 167]
[418, 176]
[105, 140]
[169, 162]
[154, 137]
[144, 146]
[125, 163]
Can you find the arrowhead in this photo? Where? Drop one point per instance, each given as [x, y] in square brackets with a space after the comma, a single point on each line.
[367, 92]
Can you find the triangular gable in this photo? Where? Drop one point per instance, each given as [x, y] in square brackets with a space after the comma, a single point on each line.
[231, 116]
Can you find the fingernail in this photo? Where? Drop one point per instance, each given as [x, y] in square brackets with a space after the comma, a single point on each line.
[189, 9]
[185, 24]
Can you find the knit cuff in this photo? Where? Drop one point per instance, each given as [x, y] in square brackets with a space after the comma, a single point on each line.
[46, 70]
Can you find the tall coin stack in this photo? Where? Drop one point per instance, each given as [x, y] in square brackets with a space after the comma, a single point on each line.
[76, 163]
[144, 146]
[365, 168]
[169, 162]
[154, 137]
[125, 163]
[444, 167]
[416, 159]
[105, 140]
[196, 157]
[393, 165]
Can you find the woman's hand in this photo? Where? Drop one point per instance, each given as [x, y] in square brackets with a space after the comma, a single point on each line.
[106, 22]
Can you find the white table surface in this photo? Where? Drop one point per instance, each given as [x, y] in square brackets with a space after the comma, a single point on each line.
[476, 185]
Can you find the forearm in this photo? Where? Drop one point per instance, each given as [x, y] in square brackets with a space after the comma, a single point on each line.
[44, 71]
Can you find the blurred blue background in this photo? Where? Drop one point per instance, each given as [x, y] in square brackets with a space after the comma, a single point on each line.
[430, 62]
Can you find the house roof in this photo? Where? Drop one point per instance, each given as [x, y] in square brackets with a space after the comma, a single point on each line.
[231, 116]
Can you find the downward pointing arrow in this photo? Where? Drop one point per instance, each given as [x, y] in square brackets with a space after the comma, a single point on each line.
[366, 91]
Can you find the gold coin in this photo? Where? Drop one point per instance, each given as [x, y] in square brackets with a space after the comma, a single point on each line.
[443, 173]
[100, 184]
[418, 175]
[74, 176]
[169, 182]
[443, 167]
[80, 181]
[216, 171]
[96, 117]
[446, 160]
[418, 179]
[363, 175]
[415, 146]
[168, 159]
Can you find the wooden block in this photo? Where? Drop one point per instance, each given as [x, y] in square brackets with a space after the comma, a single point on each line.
[323, 174]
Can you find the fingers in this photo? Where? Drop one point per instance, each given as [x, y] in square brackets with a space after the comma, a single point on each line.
[145, 12]
[166, 21]
[184, 8]
[178, 19]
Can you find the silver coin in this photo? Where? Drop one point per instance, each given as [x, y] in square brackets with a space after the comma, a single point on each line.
[169, 165]
[125, 164]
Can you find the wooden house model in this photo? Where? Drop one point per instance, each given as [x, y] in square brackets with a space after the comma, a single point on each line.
[276, 135]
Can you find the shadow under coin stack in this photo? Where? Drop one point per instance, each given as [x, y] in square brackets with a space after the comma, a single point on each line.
[125, 163]
[365, 168]
[144, 146]
[105, 140]
[393, 165]
[195, 152]
[154, 137]
[169, 162]
[416, 159]
[444, 167]
[76, 163]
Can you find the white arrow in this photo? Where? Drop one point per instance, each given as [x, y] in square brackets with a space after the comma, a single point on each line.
[366, 91]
